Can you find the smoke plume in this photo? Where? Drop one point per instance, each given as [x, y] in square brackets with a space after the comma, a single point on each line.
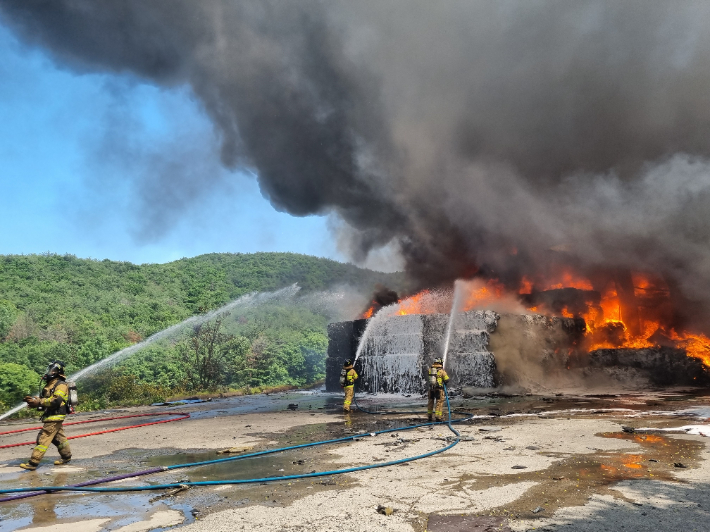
[490, 137]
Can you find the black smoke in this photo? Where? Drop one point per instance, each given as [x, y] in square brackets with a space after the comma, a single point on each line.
[488, 138]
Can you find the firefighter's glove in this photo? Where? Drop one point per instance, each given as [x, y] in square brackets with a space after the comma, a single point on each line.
[32, 402]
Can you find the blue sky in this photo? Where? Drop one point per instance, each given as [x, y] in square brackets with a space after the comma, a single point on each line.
[86, 159]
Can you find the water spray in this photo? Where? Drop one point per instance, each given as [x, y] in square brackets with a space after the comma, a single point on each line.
[247, 300]
[372, 324]
[452, 318]
[21, 493]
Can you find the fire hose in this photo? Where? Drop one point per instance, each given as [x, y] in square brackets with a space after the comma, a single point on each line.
[184, 415]
[31, 492]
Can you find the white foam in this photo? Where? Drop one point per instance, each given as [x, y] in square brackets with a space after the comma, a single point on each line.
[695, 430]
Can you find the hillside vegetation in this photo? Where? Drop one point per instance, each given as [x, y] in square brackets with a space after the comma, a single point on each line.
[82, 310]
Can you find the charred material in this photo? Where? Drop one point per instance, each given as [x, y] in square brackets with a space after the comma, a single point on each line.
[560, 300]
[487, 349]
[660, 366]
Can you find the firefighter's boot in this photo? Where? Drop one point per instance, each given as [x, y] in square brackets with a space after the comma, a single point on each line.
[62, 461]
[29, 466]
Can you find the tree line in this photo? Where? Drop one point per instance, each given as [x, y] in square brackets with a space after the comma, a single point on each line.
[82, 310]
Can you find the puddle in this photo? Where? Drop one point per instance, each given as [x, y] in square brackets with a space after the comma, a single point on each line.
[122, 508]
[286, 463]
[580, 476]
[297, 461]
[572, 481]
[272, 465]
[311, 401]
[50, 510]
[64, 508]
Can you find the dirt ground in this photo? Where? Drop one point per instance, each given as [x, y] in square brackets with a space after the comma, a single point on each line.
[553, 463]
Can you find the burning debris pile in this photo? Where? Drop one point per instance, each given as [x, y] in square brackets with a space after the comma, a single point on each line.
[654, 366]
[548, 164]
[396, 351]
[619, 329]
[620, 310]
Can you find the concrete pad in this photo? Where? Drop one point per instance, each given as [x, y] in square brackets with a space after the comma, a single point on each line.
[11, 469]
[90, 525]
[157, 520]
[642, 505]
[66, 469]
[466, 523]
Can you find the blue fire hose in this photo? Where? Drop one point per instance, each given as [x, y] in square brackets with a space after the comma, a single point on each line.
[47, 489]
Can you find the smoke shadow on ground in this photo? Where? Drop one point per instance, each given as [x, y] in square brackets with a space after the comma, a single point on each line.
[641, 506]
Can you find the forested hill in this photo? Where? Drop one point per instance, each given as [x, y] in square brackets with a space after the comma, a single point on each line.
[81, 310]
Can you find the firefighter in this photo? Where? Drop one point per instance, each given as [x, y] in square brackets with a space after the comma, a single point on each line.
[54, 401]
[437, 379]
[348, 376]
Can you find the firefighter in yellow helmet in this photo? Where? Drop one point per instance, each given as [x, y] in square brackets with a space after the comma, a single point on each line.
[348, 376]
[54, 401]
[437, 379]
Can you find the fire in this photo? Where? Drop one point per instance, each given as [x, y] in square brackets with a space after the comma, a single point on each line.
[696, 345]
[566, 313]
[626, 312]
[526, 286]
[479, 295]
[610, 304]
[425, 302]
[413, 304]
[567, 278]
[630, 315]
[570, 280]
[607, 325]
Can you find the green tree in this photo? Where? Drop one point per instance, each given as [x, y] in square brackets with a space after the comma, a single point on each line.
[82, 310]
[16, 381]
[8, 314]
[211, 355]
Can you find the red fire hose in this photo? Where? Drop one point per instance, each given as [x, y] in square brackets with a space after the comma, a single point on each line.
[183, 415]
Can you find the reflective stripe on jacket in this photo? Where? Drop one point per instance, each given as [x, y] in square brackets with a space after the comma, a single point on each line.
[350, 377]
[55, 397]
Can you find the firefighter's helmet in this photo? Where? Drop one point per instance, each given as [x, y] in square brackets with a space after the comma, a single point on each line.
[439, 361]
[347, 363]
[54, 369]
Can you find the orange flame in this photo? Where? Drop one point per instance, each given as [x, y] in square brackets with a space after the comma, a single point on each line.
[566, 313]
[413, 304]
[480, 295]
[368, 313]
[696, 345]
[526, 286]
[570, 279]
[606, 325]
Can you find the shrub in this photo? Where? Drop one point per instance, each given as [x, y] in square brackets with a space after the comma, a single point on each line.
[16, 381]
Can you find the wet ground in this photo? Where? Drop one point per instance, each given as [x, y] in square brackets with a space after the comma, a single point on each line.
[575, 480]
[265, 422]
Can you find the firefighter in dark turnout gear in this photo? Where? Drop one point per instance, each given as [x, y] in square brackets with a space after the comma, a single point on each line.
[54, 401]
[437, 379]
[348, 376]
